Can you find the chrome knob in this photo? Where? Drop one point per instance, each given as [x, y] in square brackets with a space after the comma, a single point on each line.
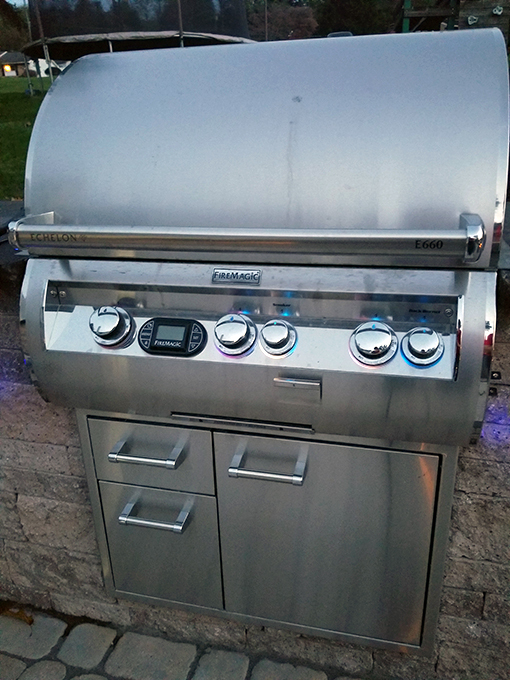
[275, 333]
[422, 346]
[277, 337]
[231, 330]
[234, 334]
[110, 325]
[104, 321]
[373, 340]
[423, 342]
[373, 343]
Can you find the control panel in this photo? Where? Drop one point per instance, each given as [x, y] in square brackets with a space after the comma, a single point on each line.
[295, 332]
[337, 350]
[372, 343]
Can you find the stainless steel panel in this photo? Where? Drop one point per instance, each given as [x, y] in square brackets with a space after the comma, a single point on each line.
[397, 132]
[147, 449]
[394, 401]
[149, 560]
[348, 550]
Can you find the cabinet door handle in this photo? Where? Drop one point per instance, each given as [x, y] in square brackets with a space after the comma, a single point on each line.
[118, 455]
[297, 477]
[177, 527]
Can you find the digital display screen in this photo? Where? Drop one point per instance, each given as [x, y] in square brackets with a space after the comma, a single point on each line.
[175, 333]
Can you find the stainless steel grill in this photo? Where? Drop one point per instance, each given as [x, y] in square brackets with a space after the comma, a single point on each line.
[265, 281]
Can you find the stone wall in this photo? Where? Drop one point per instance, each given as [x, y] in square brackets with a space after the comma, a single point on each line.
[49, 558]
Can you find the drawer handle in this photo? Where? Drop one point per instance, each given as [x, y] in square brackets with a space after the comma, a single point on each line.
[298, 383]
[118, 455]
[177, 527]
[297, 478]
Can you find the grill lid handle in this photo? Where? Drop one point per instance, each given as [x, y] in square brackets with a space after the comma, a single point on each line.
[40, 236]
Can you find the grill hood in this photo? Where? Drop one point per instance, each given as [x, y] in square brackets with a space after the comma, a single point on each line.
[363, 150]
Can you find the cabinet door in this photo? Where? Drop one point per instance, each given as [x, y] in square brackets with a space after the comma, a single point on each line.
[347, 550]
[149, 558]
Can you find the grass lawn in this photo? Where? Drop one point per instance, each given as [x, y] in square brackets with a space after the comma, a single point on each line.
[17, 114]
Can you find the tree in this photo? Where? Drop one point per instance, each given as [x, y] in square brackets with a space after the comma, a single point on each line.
[360, 17]
[286, 19]
[13, 27]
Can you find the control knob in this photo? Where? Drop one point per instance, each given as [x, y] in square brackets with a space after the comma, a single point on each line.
[235, 334]
[373, 343]
[422, 346]
[110, 325]
[277, 337]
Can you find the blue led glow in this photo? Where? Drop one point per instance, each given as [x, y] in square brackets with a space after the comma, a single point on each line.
[497, 413]
[491, 432]
[410, 363]
[292, 350]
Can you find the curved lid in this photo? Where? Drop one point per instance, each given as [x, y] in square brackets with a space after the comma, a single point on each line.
[389, 132]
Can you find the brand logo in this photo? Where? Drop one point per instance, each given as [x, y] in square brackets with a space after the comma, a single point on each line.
[249, 276]
[54, 238]
[167, 343]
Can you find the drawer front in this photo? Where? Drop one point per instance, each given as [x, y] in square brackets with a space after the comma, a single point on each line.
[150, 556]
[152, 455]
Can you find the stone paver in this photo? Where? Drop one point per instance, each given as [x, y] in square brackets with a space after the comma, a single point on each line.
[139, 657]
[134, 656]
[267, 670]
[30, 642]
[86, 645]
[45, 670]
[218, 665]
[10, 669]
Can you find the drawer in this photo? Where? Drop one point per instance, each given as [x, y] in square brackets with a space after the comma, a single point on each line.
[163, 544]
[152, 455]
